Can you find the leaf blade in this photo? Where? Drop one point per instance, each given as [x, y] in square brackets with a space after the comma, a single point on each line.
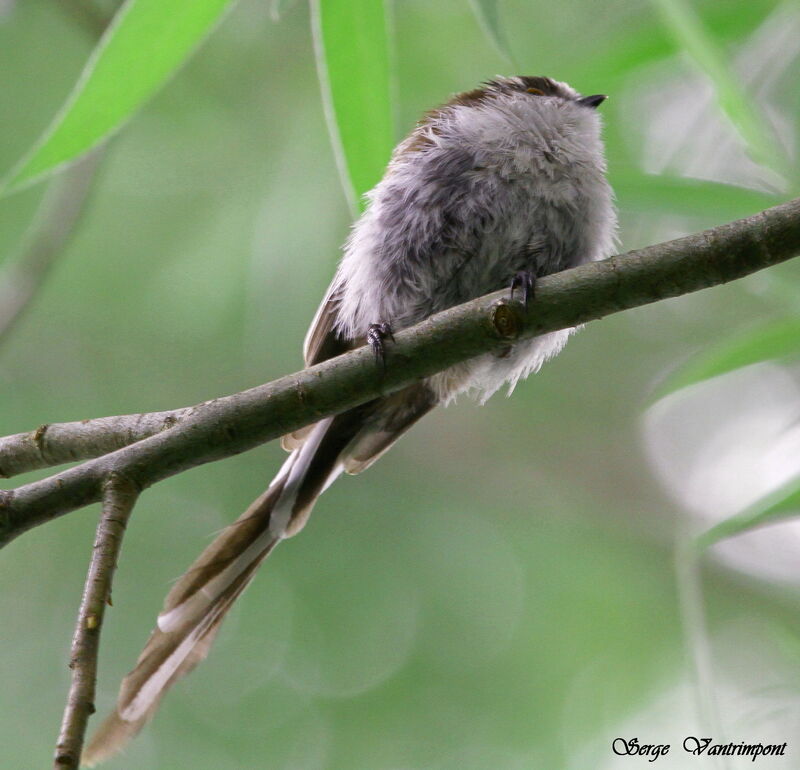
[145, 44]
[353, 61]
[784, 503]
[689, 31]
[640, 191]
[776, 340]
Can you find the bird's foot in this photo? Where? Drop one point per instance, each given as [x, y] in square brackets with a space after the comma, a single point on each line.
[377, 334]
[524, 280]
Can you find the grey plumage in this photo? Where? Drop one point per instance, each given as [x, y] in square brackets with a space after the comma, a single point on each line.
[506, 178]
[496, 181]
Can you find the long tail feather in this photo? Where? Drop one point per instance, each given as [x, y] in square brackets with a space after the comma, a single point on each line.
[196, 606]
[143, 693]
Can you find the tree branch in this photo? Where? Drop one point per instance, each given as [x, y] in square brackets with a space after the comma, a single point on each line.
[67, 442]
[233, 424]
[119, 497]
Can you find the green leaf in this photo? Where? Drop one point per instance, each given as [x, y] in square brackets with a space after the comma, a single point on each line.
[352, 47]
[784, 503]
[639, 191]
[488, 15]
[779, 339]
[688, 30]
[144, 45]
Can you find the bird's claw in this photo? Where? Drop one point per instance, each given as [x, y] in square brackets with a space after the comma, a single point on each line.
[376, 335]
[526, 281]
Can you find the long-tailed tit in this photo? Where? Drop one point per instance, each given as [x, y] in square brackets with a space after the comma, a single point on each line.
[498, 186]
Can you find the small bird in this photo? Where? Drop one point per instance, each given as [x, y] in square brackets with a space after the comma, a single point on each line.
[495, 188]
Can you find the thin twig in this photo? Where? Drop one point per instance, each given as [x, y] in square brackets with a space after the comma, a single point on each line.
[65, 442]
[119, 497]
[58, 215]
[234, 424]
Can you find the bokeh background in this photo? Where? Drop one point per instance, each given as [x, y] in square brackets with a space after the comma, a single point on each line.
[502, 590]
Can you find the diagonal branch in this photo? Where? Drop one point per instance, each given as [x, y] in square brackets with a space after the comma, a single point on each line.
[234, 424]
[67, 442]
[119, 497]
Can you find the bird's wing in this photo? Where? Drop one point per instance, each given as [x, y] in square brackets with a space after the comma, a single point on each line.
[321, 343]
[322, 340]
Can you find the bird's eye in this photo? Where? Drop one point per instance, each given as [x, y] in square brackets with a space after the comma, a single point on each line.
[536, 91]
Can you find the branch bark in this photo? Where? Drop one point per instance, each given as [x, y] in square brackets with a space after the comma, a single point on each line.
[119, 497]
[67, 442]
[233, 424]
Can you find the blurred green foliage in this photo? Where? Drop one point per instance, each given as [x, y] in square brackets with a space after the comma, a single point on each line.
[775, 340]
[498, 592]
[692, 36]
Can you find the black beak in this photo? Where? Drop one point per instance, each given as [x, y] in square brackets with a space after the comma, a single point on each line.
[592, 101]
